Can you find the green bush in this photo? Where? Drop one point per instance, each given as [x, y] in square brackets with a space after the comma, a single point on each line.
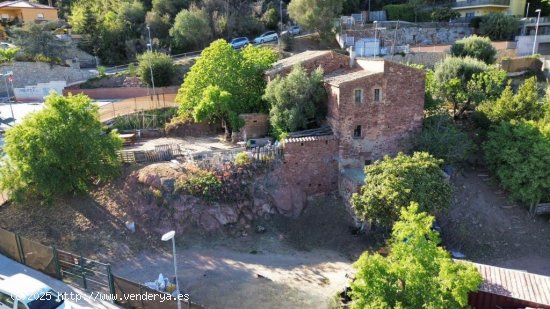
[476, 47]
[474, 22]
[406, 12]
[395, 182]
[200, 183]
[156, 118]
[101, 70]
[445, 14]
[287, 42]
[242, 159]
[444, 140]
[519, 153]
[498, 26]
[132, 71]
[162, 66]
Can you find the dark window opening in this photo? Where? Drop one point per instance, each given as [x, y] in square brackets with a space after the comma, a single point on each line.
[301, 144]
[358, 94]
[376, 95]
[357, 132]
[368, 162]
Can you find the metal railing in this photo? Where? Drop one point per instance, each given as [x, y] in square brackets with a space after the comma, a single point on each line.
[122, 67]
[459, 4]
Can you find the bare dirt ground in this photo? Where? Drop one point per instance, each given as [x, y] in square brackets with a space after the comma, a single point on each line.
[489, 228]
[193, 144]
[296, 263]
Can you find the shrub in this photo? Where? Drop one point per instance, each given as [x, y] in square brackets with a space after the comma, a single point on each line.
[474, 22]
[445, 14]
[406, 12]
[518, 152]
[287, 42]
[525, 104]
[162, 66]
[476, 47]
[132, 71]
[242, 159]
[200, 183]
[417, 273]
[394, 182]
[498, 26]
[59, 149]
[102, 71]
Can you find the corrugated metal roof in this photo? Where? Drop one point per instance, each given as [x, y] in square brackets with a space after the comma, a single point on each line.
[24, 4]
[310, 139]
[514, 283]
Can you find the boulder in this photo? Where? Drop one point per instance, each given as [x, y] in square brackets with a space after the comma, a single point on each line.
[290, 201]
[224, 214]
[208, 222]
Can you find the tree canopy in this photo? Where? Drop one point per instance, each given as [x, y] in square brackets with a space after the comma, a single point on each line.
[393, 182]
[524, 104]
[59, 149]
[466, 82]
[191, 29]
[417, 273]
[518, 151]
[240, 74]
[38, 39]
[296, 100]
[499, 26]
[316, 15]
[162, 66]
[476, 47]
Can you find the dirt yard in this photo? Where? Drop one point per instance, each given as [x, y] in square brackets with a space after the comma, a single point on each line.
[193, 144]
[486, 226]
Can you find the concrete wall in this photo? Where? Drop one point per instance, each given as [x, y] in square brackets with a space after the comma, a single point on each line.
[33, 73]
[525, 44]
[121, 92]
[426, 59]
[37, 92]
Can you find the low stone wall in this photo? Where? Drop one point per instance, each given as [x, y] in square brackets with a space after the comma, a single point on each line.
[120, 93]
[426, 59]
[521, 64]
[33, 73]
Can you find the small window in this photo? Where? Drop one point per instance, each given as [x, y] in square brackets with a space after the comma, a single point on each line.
[377, 95]
[357, 132]
[358, 94]
[6, 300]
[39, 16]
[368, 162]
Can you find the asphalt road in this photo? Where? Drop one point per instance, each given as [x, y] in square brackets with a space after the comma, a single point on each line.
[9, 267]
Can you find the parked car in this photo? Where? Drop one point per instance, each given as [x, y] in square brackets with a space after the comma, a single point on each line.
[238, 43]
[294, 30]
[6, 45]
[266, 37]
[24, 292]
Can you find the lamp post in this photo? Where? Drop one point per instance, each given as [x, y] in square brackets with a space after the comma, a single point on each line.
[536, 32]
[6, 75]
[167, 237]
[375, 26]
[150, 48]
[281, 13]
[527, 11]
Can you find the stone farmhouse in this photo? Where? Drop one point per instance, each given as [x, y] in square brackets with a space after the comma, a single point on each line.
[374, 108]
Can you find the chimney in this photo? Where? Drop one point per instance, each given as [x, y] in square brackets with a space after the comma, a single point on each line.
[351, 57]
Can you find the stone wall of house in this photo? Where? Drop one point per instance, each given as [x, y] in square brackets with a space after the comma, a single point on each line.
[33, 73]
[387, 125]
[309, 167]
[256, 125]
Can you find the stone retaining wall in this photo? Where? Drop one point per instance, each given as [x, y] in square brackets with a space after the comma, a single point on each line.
[33, 73]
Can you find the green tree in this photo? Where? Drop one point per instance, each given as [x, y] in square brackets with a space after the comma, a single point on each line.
[162, 66]
[191, 30]
[417, 273]
[498, 26]
[270, 18]
[237, 73]
[170, 7]
[525, 104]
[296, 100]
[393, 182]
[37, 39]
[476, 47]
[445, 14]
[316, 15]
[8, 54]
[217, 105]
[59, 149]
[444, 140]
[519, 154]
[466, 82]
[160, 26]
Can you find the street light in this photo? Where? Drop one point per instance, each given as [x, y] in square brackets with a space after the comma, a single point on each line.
[167, 237]
[150, 48]
[527, 11]
[6, 76]
[375, 26]
[536, 32]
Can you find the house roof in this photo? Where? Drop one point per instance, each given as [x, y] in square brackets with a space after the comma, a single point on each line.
[515, 284]
[320, 134]
[21, 4]
[339, 77]
[296, 59]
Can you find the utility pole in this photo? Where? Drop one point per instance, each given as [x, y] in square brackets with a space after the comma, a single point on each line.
[536, 32]
[150, 47]
[281, 13]
[527, 12]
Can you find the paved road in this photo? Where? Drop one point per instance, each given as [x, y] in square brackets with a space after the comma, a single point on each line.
[9, 267]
